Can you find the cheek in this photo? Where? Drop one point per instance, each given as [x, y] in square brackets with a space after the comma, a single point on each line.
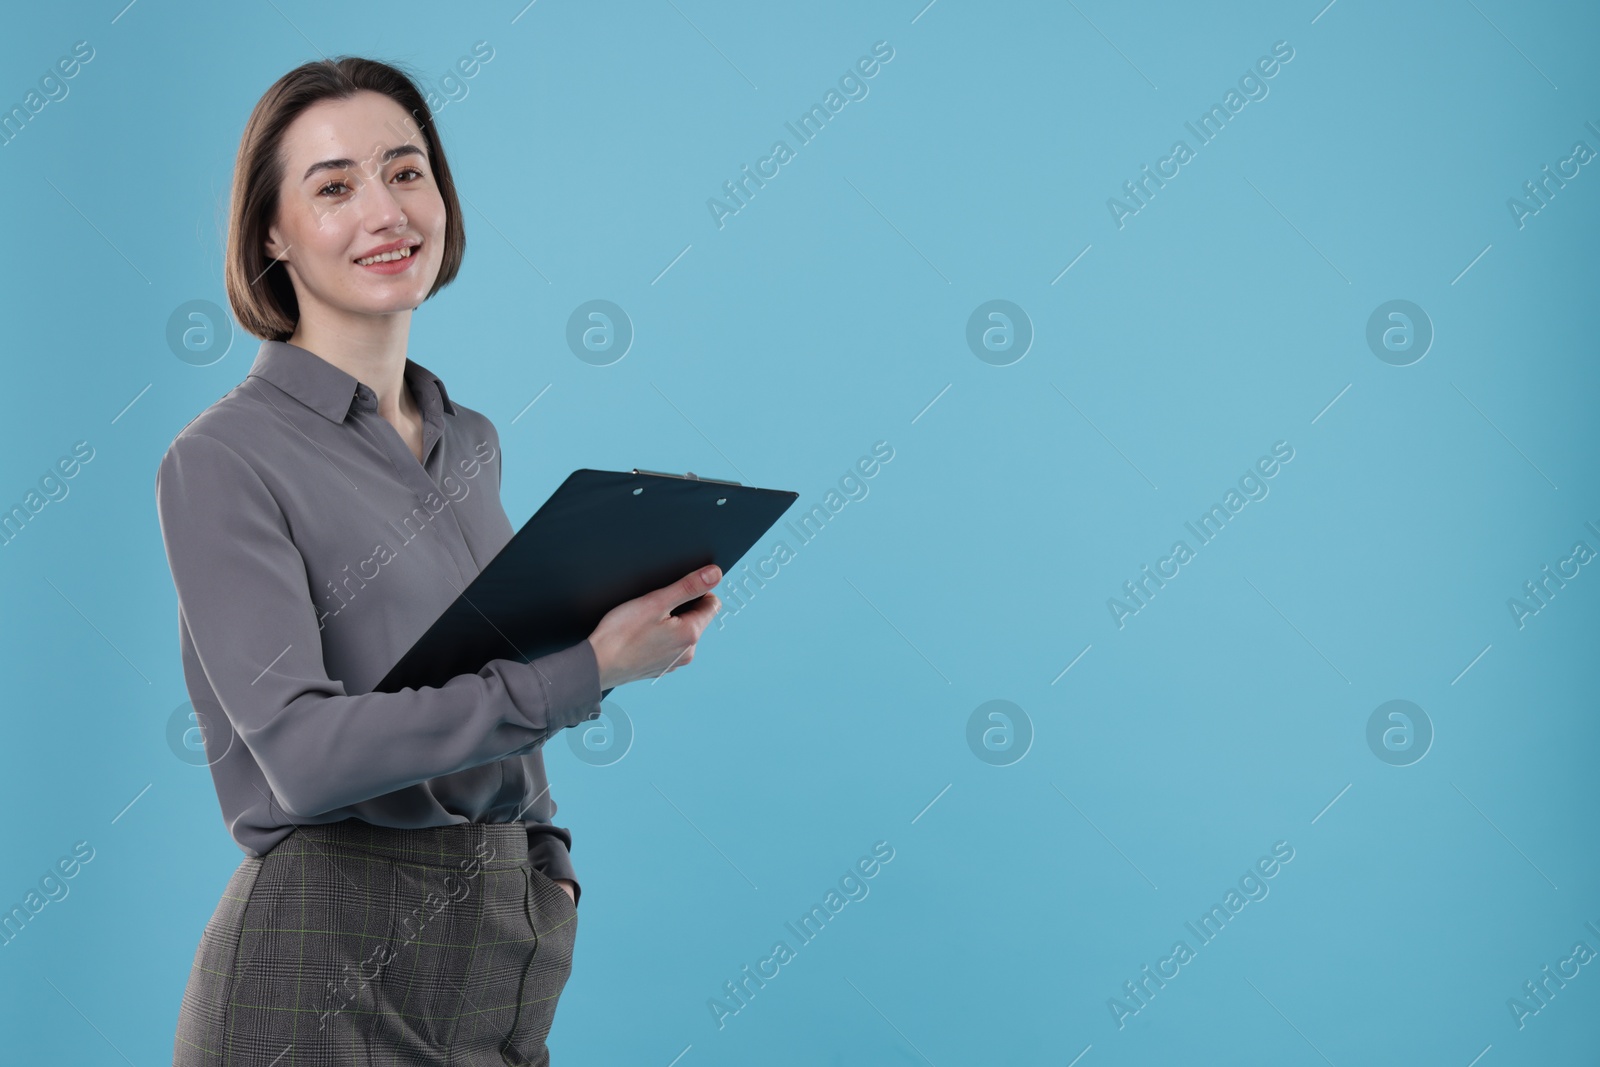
[329, 242]
[427, 212]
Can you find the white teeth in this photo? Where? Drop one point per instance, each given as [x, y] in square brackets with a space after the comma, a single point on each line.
[387, 257]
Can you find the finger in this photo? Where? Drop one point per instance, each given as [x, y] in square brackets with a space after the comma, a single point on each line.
[695, 584]
[699, 616]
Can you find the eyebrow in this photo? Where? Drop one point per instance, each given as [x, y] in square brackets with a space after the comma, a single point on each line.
[342, 164]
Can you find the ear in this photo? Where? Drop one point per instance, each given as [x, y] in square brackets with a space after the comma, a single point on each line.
[273, 246]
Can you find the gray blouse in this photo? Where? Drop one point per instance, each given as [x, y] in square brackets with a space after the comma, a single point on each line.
[309, 550]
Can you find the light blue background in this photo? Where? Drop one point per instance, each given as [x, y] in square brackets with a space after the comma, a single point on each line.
[829, 314]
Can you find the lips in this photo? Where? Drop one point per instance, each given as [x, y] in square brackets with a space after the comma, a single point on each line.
[393, 246]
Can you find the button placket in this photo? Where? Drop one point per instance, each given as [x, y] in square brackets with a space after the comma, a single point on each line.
[416, 477]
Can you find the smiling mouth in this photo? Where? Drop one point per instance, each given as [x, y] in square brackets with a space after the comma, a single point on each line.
[389, 257]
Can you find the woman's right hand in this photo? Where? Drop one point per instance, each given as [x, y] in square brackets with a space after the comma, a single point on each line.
[641, 638]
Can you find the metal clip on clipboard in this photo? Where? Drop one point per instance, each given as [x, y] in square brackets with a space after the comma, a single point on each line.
[689, 474]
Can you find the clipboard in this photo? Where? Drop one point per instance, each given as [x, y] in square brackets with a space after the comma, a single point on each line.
[603, 537]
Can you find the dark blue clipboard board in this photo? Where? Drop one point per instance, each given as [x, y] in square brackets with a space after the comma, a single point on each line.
[603, 537]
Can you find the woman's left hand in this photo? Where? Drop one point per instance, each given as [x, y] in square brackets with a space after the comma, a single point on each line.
[567, 887]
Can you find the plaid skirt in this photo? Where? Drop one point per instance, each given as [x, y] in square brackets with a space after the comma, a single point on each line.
[354, 944]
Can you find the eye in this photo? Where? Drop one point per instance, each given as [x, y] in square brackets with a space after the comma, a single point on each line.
[325, 190]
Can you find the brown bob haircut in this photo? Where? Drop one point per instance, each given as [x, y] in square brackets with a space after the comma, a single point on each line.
[258, 286]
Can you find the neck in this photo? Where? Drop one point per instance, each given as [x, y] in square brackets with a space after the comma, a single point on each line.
[371, 349]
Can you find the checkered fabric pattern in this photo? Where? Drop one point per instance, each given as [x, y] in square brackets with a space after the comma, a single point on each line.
[352, 944]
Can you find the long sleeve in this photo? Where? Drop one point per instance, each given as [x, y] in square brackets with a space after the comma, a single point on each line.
[245, 599]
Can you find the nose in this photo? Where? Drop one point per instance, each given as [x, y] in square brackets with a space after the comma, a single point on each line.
[382, 210]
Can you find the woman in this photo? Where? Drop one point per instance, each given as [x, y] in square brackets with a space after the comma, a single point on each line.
[404, 896]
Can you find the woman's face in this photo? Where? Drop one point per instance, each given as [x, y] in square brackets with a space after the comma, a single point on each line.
[357, 177]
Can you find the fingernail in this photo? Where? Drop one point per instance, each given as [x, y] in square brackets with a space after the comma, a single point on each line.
[708, 575]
